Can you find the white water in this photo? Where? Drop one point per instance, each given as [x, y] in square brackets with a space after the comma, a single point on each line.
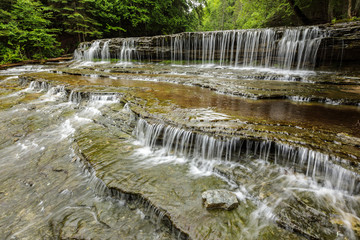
[293, 48]
[92, 52]
[127, 50]
[289, 171]
[105, 53]
[35, 202]
[24, 69]
[205, 152]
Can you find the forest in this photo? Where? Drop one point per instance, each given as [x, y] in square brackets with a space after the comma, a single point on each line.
[40, 29]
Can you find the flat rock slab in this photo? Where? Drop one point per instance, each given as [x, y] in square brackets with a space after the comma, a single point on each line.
[219, 199]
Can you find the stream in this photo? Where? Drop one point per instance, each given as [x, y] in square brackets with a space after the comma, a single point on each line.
[114, 146]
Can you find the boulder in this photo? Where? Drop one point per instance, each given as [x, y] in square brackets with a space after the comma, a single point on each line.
[219, 199]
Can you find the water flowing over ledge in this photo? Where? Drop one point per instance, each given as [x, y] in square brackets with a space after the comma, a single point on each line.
[282, 48]
[202, 149]
[239, 48]
[231, 158]
[155, 214]
[78, 96]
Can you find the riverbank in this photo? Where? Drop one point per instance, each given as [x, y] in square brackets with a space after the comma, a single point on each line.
[42, 61]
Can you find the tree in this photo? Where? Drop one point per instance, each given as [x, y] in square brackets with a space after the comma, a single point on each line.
[220, 14]
[30, 28]
[152, 17]
[299, 13]
[349, 12]
[232, 14]
[75, 18]
[24, 32]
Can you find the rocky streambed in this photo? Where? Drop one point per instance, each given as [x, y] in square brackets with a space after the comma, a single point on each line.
[100, 150]
[244, 134]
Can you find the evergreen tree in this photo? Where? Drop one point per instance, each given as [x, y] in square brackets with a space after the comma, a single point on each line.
[74, 17]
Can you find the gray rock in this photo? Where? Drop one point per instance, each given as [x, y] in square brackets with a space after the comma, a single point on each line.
[219, 199]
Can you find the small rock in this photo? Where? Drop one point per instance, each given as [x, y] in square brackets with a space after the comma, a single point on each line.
[219, 199]
[131, 206]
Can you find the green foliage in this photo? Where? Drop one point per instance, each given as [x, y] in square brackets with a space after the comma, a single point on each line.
[24, 33]
[30, 28]
[11, 55]
[75, 18]
[240, 14]
[83, 20]
[353, 19]
[146, 17]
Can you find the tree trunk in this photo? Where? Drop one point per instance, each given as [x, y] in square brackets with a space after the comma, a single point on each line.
[357, 8]
[330, 10]
[299, 13]
[350, 9]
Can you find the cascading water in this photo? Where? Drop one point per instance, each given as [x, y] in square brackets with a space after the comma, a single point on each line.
[39, 86]
[105, 53]
[99, 49]
[281, 188]
[127, 50]
[294, 167]
[293, 48]
[92, 52]
[290, 48]
[203, 148]
[104, 97]
[96, 50]
[75, 97]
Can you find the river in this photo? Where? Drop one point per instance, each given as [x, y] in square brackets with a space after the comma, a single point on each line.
[107, 147]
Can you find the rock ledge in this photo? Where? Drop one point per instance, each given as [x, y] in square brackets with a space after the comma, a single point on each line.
[219, 199]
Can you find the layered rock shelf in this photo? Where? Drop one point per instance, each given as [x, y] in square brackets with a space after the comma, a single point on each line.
[330, 45]
[211, 139]
[250, 134]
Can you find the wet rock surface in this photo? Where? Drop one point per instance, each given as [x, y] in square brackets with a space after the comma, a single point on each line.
[219, 199]
[134, 154]
[340, 46]
[99, 152]
[321, 87]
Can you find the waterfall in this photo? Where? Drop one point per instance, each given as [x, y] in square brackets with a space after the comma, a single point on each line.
[299, 47]
[127, 50]
[58, 90]
[104, 97]
[105, 53]
[291, 48]
[78, 56]
[99, 49]
[200, 147]
[39, 86]
[92, 52]
[75, 97]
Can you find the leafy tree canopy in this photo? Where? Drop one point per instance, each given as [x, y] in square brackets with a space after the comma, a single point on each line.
[35, 28]
[25, 32]
[238, 14]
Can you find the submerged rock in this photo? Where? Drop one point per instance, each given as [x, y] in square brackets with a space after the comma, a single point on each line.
[219, 199]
